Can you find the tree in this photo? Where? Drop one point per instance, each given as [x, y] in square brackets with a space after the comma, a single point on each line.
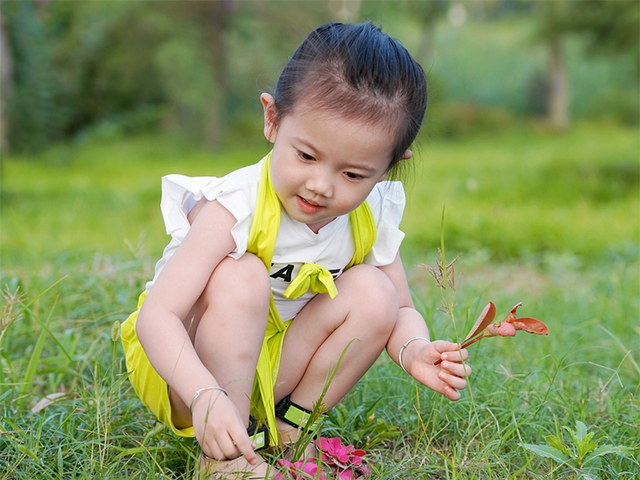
[6, 84]
[610, 27]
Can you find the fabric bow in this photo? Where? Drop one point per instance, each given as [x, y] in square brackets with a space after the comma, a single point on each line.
[314, 277]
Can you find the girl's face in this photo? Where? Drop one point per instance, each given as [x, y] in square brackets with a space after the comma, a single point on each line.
[324, 166]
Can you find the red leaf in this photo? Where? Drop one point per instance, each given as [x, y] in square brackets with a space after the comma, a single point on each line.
[503, 329]
[513, 310]
[506, 328]
[529, 325]
[486, 317]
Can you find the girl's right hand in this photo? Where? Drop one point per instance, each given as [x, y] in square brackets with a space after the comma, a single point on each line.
[220, 429]
[446, 378]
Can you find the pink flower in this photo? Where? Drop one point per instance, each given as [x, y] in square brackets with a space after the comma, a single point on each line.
[341, 462]
[299, 470]
[346, 460]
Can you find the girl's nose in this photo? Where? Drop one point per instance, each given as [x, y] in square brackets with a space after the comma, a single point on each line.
[320, 183]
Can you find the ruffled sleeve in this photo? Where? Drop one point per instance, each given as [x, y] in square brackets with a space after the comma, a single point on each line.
[236, 192]
[387, 201]
[181, 193]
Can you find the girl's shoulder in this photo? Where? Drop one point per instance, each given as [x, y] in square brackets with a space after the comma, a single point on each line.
[387, 195]
[387, 201]
[236, 191]
[208, 186]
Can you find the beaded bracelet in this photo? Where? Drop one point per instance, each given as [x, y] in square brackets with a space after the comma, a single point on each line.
[198, 392]
[405, 346]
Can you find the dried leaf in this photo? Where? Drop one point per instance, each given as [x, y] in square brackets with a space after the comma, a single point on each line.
[530, 325]
[515, 307]
[485, 318]
[502, 329]
[507, 328]
[46, 401]
[527, 324]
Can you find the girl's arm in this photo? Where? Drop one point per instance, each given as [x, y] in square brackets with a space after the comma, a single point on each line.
[419, 356]
[174, 293]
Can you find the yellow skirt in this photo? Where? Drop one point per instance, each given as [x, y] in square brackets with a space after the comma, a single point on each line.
[150, 387]
[154, 391]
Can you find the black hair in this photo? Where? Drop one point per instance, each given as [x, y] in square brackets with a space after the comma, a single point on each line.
[358, 72]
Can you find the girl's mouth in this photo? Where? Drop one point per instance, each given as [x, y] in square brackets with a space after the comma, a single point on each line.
[308, 207]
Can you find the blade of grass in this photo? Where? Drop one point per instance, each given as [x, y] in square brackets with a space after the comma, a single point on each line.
[623, 348]
[32, 366]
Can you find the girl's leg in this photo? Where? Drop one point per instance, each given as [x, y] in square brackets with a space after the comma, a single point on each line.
[227, 326]
[365, 310]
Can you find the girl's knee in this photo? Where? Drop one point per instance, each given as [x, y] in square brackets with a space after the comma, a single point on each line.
[374, 292]
[245, 277]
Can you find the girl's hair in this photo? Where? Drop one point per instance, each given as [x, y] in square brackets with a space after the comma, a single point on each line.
[359, 73]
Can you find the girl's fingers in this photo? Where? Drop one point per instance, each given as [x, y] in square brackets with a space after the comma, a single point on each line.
[212, 450]
[451, 393]
[459, 369]
[229, 450]
[244, 446]
[236, 442]
[452, 380]
[455, 355]
[449, 351]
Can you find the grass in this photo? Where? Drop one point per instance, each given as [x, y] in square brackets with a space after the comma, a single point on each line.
[547, 219]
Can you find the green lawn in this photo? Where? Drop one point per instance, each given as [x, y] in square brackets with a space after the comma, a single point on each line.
[547, 219]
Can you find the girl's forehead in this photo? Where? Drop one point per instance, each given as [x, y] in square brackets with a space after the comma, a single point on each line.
[376, 120]
[322, 119]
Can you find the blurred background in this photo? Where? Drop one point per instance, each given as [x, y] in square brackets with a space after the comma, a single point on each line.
[76, 69]
[531, 135]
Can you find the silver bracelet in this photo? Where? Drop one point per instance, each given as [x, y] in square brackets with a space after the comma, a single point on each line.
[405, 346]
[198, 392]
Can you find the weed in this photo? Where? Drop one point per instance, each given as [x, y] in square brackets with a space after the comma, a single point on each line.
[581, 455]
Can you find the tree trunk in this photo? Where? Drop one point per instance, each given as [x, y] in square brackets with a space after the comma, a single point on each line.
[214, 123]
[558, 88]
[6, 78]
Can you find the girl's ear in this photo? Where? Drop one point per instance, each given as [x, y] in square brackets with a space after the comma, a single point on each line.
[405, 156]
[270, 117]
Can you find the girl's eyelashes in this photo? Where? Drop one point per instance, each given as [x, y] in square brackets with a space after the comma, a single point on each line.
[310, 158]
[305, 156]
[353, 176]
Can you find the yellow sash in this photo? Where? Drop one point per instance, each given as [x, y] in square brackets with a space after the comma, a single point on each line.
[262, 240]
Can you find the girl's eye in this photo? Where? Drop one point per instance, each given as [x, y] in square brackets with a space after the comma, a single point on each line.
[353, 176]
[305, 156]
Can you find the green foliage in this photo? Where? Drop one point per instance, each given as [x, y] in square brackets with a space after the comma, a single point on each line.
[609, 27]
[452, 121]
[361, 417]
[32, 110]
[582, 456]
[508, 70]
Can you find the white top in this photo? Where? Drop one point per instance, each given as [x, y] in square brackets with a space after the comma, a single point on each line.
[332, 247]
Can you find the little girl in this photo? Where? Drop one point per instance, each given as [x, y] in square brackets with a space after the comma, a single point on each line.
[275, 269]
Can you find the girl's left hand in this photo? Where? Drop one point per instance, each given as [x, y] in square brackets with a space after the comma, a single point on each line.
[447, 378]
